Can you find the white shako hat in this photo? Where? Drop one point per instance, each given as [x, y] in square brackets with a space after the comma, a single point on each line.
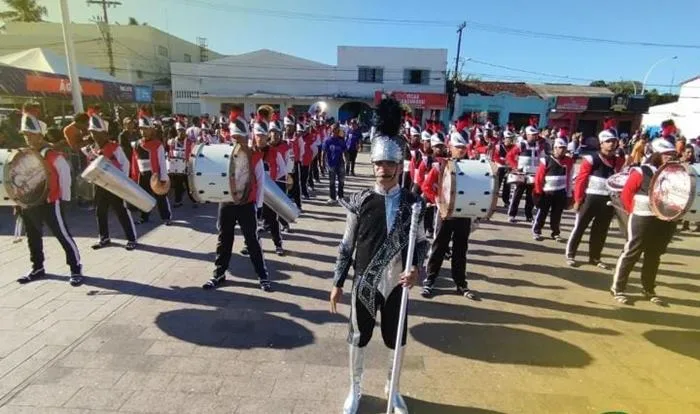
[606, 135]
[237, 125]
[662, 146]
[386, 145]
[457, 140]
[30, 124]
[437, 138]
[260, 127]
[559, 142]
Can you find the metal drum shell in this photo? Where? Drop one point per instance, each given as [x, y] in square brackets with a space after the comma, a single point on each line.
[103, 173]
[693, 214]
[471, 185]
[39, 194]
[5, 199]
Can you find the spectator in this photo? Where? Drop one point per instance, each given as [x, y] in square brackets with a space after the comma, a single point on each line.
[333, 149]
[128, 135]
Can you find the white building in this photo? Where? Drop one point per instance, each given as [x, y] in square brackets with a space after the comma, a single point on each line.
[685, 112]
[266, 77]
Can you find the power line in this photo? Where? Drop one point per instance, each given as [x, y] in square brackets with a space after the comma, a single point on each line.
[104, 28]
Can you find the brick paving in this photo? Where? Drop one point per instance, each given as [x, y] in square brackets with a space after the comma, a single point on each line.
[141, 336]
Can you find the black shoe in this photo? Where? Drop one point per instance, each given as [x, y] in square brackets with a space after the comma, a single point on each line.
[168, 222]
[214, 282]
[529, 219]
[427, 291]
[537, 237]
[599, 264]
[571, 263]
[177, 205]
[33, 275]
[76, 279]
[279, 250]
[130, 245]
[650, 295]
[100, 244]
[467, 293]
[286, 229]
[265, 286]
[140, 221]
[244, 251]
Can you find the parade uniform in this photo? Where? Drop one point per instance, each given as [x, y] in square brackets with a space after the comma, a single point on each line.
[593, 196]
[646, 234]
[148, 158]
[499, 158]
[179, 150]
[49, 212]
[553, 190]
[376, 240]
[275, 167]
[533, 150]
[248, 196]
[307, 156]
[104, 200]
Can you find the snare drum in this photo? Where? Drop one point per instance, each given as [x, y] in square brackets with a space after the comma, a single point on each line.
[693, 215]
[25, 177]
[615, 184]
[467, 189]
[516, 178]
[176, 166]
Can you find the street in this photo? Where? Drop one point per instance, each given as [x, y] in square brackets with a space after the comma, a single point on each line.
[142, 336]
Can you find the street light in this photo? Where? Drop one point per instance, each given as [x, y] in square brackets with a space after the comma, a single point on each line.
[644, 82]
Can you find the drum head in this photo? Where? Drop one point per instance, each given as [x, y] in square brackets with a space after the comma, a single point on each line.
[671, 191]
[27, 178]
[616, 182]
[158, 187]
[446, 190]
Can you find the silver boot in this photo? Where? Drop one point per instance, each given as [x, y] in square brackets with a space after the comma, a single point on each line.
[357, 361]
[397, 400]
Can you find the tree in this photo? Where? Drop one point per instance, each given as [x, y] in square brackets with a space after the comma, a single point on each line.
[598, 83]
[23, 11]
[133, 21]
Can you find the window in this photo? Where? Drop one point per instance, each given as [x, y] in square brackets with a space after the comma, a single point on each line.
[370, 75]
[163, 51]
[187, 94]
[188, 108]
[188, 58]
[416, 77]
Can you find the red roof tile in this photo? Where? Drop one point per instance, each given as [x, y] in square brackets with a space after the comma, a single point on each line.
[493, 88]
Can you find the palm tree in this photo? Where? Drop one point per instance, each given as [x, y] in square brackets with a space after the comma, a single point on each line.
[23, 11]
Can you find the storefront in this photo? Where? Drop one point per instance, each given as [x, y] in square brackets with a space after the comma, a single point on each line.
[424, 105]
[587, 114]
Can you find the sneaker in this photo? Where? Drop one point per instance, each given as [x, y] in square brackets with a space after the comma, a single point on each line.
[427, 291]
[214, 282]
[620, 297]
[100, 244]
[512, 220]
[244, 251]
[571, 263]
[537, 237]
[286, 229]
[265, 286]
[556, 238]
[76, 279]
[429, 234]
[651, 297]
[279, 250]
[529, 219]
[130, 245]
[467, 293]
[331, 202]
[599, 264]
[33, 275]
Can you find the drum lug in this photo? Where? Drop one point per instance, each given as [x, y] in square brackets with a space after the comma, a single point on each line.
[198, 174]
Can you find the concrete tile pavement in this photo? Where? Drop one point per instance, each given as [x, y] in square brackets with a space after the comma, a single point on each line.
[142, 336]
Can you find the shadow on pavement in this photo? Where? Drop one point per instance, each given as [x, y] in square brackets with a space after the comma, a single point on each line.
[373, 405]
[512, 282]
[680, 342]
[500, 344]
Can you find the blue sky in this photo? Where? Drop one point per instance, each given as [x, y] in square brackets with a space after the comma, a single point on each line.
[231, 27]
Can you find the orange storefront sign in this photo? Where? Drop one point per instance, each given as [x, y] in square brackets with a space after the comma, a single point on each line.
[49, 84]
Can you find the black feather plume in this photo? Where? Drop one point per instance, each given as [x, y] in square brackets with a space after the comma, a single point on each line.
[388, 117]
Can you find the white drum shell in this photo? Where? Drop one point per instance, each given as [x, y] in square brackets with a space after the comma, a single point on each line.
[514, 178]
[209, 173]
[5, 199]
[176, 166]
[474, 193]
[693, 215]
[103, 173]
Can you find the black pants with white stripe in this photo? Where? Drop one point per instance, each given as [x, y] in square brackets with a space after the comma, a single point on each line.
[648, 235]
[594, 209]
[51, 215]
[244, 216]
[106, 200]
[457, 230]
[520, 190]
[180, 187]
[161, 200]
[554, 203]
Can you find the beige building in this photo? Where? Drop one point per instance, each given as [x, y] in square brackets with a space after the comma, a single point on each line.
[142, 54]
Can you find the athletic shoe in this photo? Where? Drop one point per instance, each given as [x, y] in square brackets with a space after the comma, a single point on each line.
[599, 264]
[467, 293]
[537, 237]
[214, 282]
[33, 275]
[651, 296]
[265, 286]
[279, 250]
[131, 245]
[76, 279]
[427, 291]
[100, 244]
[512, 220]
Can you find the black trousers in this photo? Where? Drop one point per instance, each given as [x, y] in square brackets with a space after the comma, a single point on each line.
[521, 189]
[270, 218]
[283, 186]
[352, 159]
[106, 200]
[594, 209]
[181, 186]
[648, 235]
[336, 174]
[314, 171]
[304, 172]
[50, 214]
[362, 322]
[554, 202]
[429, 218]
[244, 216]
[503, 185]
[457, 230]
[295, 191]
[161, 200]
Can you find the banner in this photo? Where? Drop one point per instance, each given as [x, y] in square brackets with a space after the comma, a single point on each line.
[417, 100]
[571, 104]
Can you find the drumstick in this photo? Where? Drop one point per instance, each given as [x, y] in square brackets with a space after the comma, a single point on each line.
[19, 228]
[396, 367]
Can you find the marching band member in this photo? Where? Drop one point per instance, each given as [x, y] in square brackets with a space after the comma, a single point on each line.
[249, 195]
[305, 155]
[318, 136]
[274, 166]
[377, 231]
[415, 159]
[293, 141]
[591, 197]
[427, 160]
[194, 132]
[499, 158]
[148, 157]
[353, 139]
[530, 148]
[279, 145]
[334, 151]
[479, 146]
[103, 198]
[49, 212]
[179, 150]
[454, 229]
[552, 189]
[646, 233]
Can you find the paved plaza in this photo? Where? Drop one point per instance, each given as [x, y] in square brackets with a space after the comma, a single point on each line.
[141, 336]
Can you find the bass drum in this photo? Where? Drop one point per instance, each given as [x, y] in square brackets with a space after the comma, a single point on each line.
[103, 173]
[467, 188]
[693, 214]
[25, 177]
[672, 191]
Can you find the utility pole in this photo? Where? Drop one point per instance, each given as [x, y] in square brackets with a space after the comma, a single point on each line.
[106, 33]
[460, 28]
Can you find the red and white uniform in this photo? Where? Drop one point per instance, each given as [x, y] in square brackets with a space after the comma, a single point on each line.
[593, 175]
[308, 142]
[59, 176]
[554, 175]
[112, 151]
[274, 162]
[148, 156]
[635, 194]
[430, 183]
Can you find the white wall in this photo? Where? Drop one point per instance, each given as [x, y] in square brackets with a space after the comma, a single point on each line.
[394, 61]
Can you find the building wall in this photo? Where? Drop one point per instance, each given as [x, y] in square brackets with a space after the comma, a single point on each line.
[135, 48]
[504, 104]
[394, 61]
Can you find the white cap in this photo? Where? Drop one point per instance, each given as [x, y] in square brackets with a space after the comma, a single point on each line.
[30, 124]
[425, 136]
[558, 143]
[239, 127]
[662, 146]
[436, 139]
[509, 134]
[606, 135]
[95, 123]
[415, 131]
[179, 126]
[531, 130]
[457, 140]
[260, 128]
[146, 122]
